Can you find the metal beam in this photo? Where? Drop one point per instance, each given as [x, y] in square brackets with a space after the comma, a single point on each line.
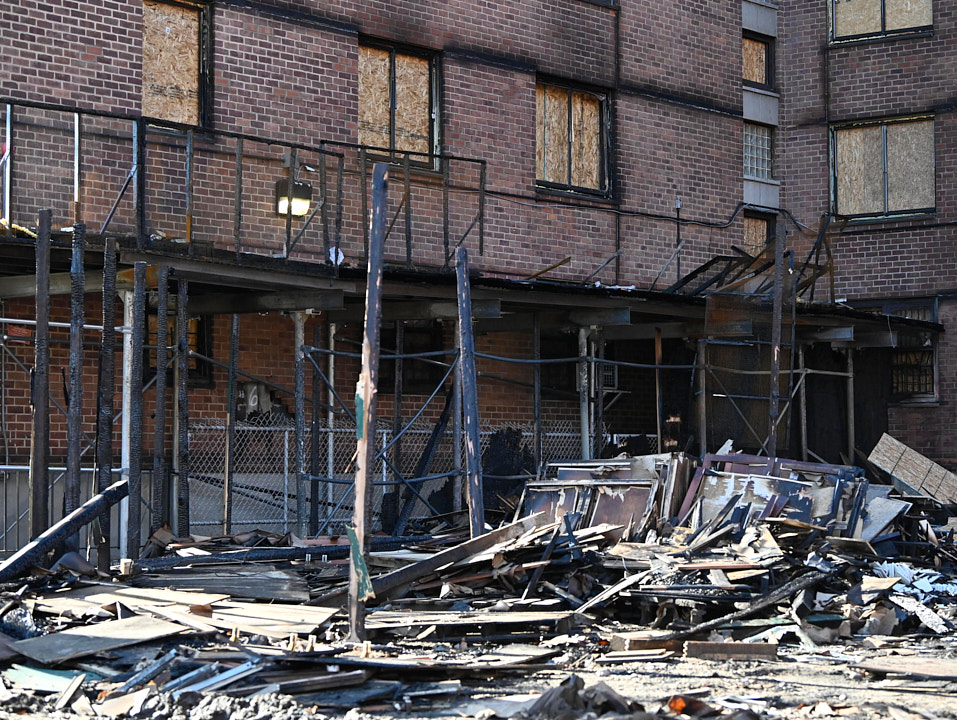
[602, 317]
[424, 310]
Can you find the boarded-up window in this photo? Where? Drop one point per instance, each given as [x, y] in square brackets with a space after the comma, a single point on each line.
[757, 60]
[757, 151]
[885, 169]
[861, 18]
[569, 138]
[756, 234]
[173, 61]
[395, 101]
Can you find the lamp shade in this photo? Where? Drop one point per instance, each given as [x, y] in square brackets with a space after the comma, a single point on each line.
[297, 202]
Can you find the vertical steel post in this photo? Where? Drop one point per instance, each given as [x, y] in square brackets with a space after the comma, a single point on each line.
[135, 380]
[851, 439]
[470, 410]
[658, 398]
[74, 427]
[189, 186]
[364, 197]
[7, 169]
[40, 387]
[231, 393]
[397, 391]
[445, 213]
[104, 406]
[774, 390]
[314, 439]
[330, 423]
[407, 181]
[701, 363]
[182, 407]
[359, 584]
[598, 374]
[324, 211]
[458, 480]
[291, 178]
[583, 400]
[158, 492]
[299, 340]
[802, 378]
[537, 386]
[481, 210]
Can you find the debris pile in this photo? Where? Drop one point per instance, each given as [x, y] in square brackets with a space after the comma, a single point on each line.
[608, 564]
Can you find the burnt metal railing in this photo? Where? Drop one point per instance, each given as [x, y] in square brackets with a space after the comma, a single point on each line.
[155, 181]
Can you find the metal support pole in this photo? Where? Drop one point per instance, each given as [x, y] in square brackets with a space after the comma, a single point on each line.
[360, 585]
[473, 452]
[774, 394]
[598, 402]
[40, 387]
[802, 378]
[158, 492]
[238, 199]
[537, 386]
[702, 368]
[658, 399]
[583, 414]
[74, 427]
[7, 166]
[851, 439]
[104, 406]
[182, 408]
[299, 340]
[230, 426]
[397, 391]
[139, 180]
[135, 382]
[314, 436]
[330, 422]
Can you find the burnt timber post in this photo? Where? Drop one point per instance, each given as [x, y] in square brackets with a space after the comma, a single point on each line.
[299, 340]
[135, 409]
[777, 310]
[473, 456]
[75, 399]
[360, 588]
[158, 492]
[40, 387]
[231, 393]
[104, 405]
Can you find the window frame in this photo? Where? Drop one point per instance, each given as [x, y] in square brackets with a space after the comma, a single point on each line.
[201, 373]
[744, 152]
[206, 52]
[882, 33]
[883, 124]
[604, 128]
[392, 154]
[770, 221]
[769, 59]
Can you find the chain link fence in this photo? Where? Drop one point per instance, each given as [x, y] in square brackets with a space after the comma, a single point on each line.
[264, 482]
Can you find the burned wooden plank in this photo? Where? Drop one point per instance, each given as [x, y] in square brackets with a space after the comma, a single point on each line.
[731, 650]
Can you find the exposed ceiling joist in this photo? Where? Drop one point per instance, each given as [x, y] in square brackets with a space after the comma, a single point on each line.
[265, 302]
[18, 286]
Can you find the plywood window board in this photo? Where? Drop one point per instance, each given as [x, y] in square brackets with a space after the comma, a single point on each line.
[755, 234]
[172, 47]
[862, 18]
[395, 100]
[754, 60]
[885, 168]
[569, 137]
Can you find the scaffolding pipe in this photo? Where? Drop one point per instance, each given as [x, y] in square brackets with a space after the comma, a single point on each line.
[583, 404]
[74, 401]
[40, 386]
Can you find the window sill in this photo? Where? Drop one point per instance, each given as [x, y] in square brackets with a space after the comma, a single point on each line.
[761, 90]
[596, 197]
[916, 403]
[837, 43]
[891, 219]
[611, 4]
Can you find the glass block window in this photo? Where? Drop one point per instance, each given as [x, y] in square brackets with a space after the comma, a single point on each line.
[757, 151]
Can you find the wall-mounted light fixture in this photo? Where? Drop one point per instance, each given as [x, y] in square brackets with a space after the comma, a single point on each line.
[297, 202]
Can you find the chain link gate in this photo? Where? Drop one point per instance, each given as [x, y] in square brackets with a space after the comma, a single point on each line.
[264, 472]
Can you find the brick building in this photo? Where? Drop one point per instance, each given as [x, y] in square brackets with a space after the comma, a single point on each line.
[631, 183]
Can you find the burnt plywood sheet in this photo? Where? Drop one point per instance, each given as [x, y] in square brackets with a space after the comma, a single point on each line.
[91, 639]
[256, 582]
[914, 470]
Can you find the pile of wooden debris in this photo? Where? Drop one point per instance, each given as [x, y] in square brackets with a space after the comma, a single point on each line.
[632, 560]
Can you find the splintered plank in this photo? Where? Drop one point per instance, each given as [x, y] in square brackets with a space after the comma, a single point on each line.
[90, 639]
[937, 668]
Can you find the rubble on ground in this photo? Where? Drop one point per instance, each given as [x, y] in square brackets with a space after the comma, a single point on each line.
[608, 566]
